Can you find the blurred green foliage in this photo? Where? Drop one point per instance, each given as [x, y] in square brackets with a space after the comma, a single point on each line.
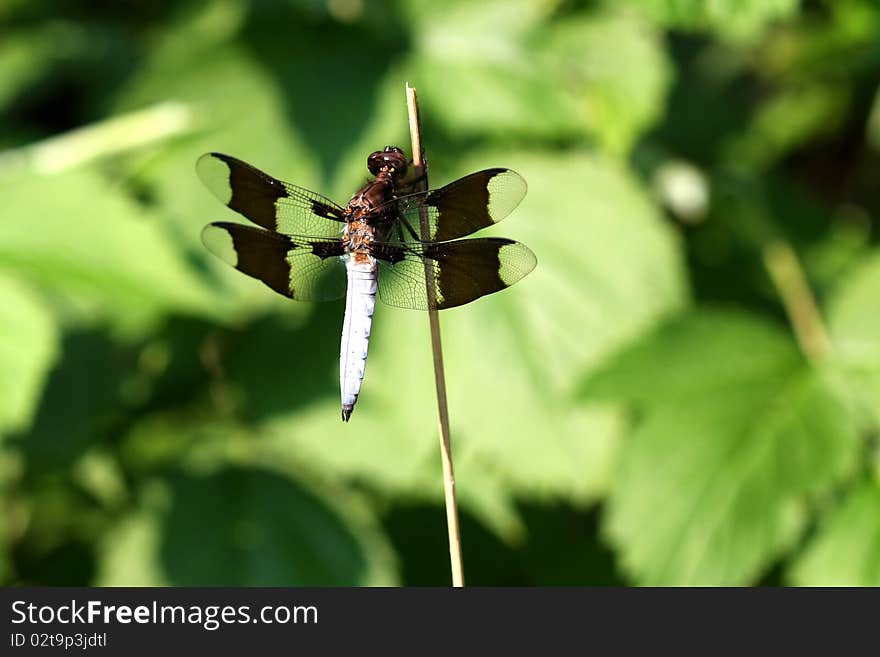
[643, 409]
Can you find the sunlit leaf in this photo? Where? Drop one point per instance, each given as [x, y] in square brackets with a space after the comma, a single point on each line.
[601, 74]
[130, 554]
[854, 324]
[77, 235]
[846, 549]
[735, 432]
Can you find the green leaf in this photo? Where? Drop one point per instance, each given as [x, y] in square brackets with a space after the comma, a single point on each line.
[736, 431]
[787, 121]
[264, 529]
[673, 365]
[129, 555]
[602, 75]
[854, 324]
[97, 248]
[853, 317]
[28, 346]
[512, 359]
[846, 549]
[734, 18]
[92, 387]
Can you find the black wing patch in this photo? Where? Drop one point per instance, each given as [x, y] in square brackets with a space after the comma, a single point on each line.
[267, 201]
[461, 271]
[462, 207]
[302, 268]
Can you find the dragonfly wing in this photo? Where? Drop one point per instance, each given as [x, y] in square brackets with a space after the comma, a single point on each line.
[460, 271]
[267, 201]
[302, 268]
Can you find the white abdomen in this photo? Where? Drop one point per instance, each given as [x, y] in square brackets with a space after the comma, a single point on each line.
[360, 301]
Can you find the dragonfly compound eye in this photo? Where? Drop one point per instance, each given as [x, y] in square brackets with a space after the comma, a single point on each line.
[392, 158]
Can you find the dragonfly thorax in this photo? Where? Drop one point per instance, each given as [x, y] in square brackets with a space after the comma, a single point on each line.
[357, 236]
[370, 198]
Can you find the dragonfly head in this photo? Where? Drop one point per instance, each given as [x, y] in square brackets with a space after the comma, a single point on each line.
[392, 159]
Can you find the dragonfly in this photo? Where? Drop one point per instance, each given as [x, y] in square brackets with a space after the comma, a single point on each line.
[388, 239]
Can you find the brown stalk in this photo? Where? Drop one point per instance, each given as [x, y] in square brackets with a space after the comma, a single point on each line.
[800, 305]
[421, 168]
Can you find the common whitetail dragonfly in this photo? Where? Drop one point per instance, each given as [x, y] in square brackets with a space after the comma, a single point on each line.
[309, 248]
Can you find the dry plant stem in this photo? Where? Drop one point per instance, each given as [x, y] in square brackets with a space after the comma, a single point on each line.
[797, 297]
[439, 374]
